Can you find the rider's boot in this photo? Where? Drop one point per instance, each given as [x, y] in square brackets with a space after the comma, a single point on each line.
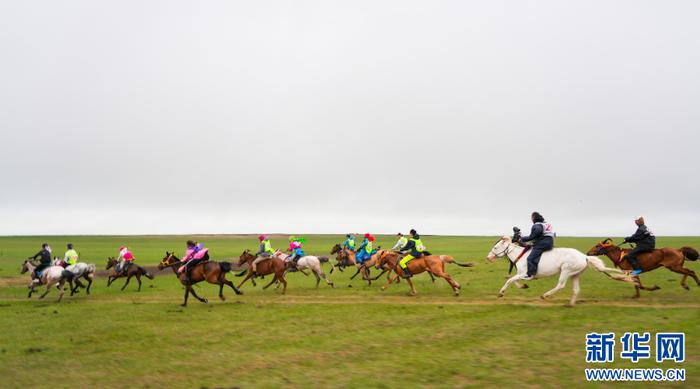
[406, 272]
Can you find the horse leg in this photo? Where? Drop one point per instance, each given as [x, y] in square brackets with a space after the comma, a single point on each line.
[203, 300]
[391, 281]
[61, 290]
[328, 281]
[318, 278]
[576, 289]
[187, 294]
[454, 284]
[413, 288]
[563, 277]
[505, 286]
[138, 278]
[89, 280]
[247, 277]
[48, 288]
[520, 285]
[109, 281]
[686, 272]
[432, 277]
[284, 289]
[221, 291]
[128, 278]
[271, 282]
[229, 283]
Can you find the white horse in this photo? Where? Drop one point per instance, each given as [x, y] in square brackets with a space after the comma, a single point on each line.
[79, 270]
[52, 275]
[567, 262]
[308, 262]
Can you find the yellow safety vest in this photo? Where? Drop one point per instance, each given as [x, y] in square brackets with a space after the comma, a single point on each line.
[72, 257]
[268, 246]
[368, 247]
[402, 241]
[419, 245]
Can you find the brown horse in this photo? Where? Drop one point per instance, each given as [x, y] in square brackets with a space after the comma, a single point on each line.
[346, 258]
[432, 263]
[132, 270]
[668, 257]
[273, 265]
[210, 271]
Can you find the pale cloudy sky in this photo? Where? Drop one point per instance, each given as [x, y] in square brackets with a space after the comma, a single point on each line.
[451, 117]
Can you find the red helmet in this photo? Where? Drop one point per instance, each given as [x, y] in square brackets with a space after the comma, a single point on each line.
[122, 248]
[371, 239]
[367, 235]
[261, 237]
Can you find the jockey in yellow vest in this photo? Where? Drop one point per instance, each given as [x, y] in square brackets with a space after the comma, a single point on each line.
[71, 256]
[415, 248]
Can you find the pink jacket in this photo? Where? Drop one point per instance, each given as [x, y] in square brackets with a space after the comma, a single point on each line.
[191, 254]
[294, 245]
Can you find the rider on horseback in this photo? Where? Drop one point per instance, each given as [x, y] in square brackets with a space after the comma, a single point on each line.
[401, 242]
[349, 242]
[71, 256]
[646, 242]
[295, 248]
[542, 236]
[124, 260]
[415, 249]
[266, 251]
[195, 254]
[364, 252]
[45, 261]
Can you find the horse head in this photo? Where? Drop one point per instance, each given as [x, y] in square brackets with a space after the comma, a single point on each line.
[336, 249]
[245, 256]
[168, 260]
[26, 266]
[110, 262]
[499, 249]
[601, 248]
[383, 257]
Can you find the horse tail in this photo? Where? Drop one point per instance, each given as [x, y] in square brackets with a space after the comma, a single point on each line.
[241, 274]
[146, 273]
[323, 259]
[225, 266]
[67, 275]
[449, 259]
[690, 253]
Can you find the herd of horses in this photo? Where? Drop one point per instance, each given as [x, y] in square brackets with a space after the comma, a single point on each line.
[568, 263]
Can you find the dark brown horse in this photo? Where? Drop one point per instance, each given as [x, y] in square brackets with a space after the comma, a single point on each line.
[435, 264]
[132, 270]
[670, 258]
[210, 271]
[272, 265]
[346, 258]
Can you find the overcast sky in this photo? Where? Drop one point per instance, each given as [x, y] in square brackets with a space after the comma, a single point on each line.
[451, 117]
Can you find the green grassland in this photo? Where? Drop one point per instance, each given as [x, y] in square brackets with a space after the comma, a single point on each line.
[344, 337]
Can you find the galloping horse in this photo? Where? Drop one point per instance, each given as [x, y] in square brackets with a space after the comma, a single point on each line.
[210, 271]
[52, 275]
[568, 263]
[434, 264]
[79, 270]
[311, 262]
[132, 270]
[346, 257]
[273, 265]
[670, 258]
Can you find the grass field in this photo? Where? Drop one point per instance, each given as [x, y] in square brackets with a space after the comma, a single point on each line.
[344, 337]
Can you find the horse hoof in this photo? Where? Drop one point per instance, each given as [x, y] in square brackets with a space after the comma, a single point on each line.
[543, 297]
[222, 298]
[206, 301]
[183, 305]
[500, 295]
[569, 305]
[349, 286]
[525, 286]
